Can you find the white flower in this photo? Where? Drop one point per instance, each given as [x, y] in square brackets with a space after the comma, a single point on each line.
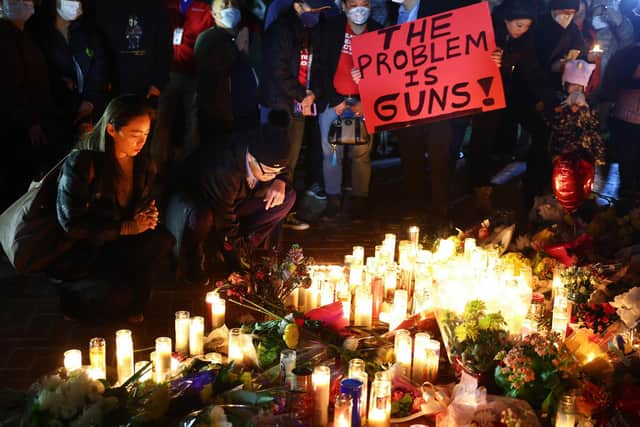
[91, 416]
[49, 400]
[350, 343]
[219, 418]
[628, 307]
[51, 382]
[68, 411]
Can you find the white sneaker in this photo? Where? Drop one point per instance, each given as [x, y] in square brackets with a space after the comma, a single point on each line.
[293, 223]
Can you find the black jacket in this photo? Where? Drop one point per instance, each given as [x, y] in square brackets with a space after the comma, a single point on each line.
[281, 52]
[216, 176]
[85, 210]
[331, 33]
[137, 39]
[553, 42]
[85, 49]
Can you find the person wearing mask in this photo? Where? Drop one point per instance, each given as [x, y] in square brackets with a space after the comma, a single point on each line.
[621, 86]
[495, 131]
[177, 105]
[438, 139]
[630, 9]
[105, 208]
[137, 40]
[77, 69]
[226, 82]
[25, 101]
[238, 188]
[290, 44]
[338, 85]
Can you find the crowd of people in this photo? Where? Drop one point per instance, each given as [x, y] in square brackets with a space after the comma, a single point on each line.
[230, 92]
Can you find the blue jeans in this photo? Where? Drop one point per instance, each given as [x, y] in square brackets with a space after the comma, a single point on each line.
[332, 166]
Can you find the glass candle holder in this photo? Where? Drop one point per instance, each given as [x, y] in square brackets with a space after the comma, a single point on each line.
[358, 255]
[353, 388]
[163, 358]
[218, 309]
[72, 360]
[98, 358]
[358, 371]
[182, 332]
[426, 358]
[559, 323]
[363, 314]
[342, 410]
[287, 365]
[414, 236]
[196, 336]
[321, 384]
[147, 373]
[402, 348]
[380, 403]
[124, 355]
[234, 351]
[566, 414]
[302, 400]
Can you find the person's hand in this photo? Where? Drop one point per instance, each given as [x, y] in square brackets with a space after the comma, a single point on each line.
[147, 218]
[153, 91]
[496, 57]
[37, 136]
[339, 109]
[275, 194]
[356, 75]
[242, 40]
[558, 66]
[307, 103]
[85, 109]
[357, 108]
[539, 106]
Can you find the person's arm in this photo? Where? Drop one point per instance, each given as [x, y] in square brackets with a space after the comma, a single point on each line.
[74, 199]
[278, 48]
[534, 76]
[97, 76]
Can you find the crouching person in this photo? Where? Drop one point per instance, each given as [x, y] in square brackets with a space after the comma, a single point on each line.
[239, 188]
[105, 208]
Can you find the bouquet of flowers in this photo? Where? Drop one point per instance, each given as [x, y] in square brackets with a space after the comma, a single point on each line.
[537, 369]
[597, 317]
[473, 338]
[580, 283]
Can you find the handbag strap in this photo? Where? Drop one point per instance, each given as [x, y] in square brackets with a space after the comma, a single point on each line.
[57, 165]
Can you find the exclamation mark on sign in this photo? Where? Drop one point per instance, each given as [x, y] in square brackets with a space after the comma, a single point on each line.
[485, 84]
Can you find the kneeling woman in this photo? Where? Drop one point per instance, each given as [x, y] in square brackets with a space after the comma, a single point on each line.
[104, 205]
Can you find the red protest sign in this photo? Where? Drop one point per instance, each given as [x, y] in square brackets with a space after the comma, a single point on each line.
[429, 69]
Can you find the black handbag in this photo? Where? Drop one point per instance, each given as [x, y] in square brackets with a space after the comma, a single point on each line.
[348, 131]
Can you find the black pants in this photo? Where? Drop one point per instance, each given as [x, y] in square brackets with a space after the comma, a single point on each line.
[625, 138]
[113, 279]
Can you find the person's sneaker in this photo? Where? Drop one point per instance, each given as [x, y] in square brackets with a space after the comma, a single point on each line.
[293, 223]
[316, 192]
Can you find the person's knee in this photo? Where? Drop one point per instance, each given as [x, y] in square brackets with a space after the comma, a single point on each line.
[201, 220]
[289, 198]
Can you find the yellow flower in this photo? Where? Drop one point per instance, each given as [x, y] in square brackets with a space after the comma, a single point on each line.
[291, 335]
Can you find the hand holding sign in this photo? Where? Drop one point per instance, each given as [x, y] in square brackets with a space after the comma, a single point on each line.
[435, 67]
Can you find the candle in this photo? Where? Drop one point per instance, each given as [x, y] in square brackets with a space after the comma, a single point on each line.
[390, 281]
[72, 360]
[234, 351]
[358, 256]
[342, 411]
[399, 311]
[182, 332]
[124, 355]
[287, 365]
[414, 235]
[380, 403]
[426, 358]
[446, 249]
[469, 247]
[559, 323]
[140, 366]
[218, 309]
[163, 358]
[363, 308]
[98, 358]
[355, 275]
[213, 358]
[596, 49]
[353, 388]
[345, 299]
[321, 383]
[357, 371]
[528, 327]
[327, 293]
[293, 299]
[196, 336]
[566, 414]
[402, 349]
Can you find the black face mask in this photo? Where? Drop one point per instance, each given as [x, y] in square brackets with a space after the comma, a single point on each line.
[310, 19]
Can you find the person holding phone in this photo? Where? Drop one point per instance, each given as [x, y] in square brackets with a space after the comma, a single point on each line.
[339, 80]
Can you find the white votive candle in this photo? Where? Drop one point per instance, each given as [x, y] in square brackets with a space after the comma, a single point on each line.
[98, 358]
[234, 351]
[196, 336]
[363, 308]
[426, 357]
[402, 348]
[72, 360]
[124, 355]
[163, 358]
[218, 309]
[182, 332]
[321, 378]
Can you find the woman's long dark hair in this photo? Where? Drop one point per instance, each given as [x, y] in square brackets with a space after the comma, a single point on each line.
[119, 113]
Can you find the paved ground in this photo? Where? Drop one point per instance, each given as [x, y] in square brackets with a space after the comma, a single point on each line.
[34, 335]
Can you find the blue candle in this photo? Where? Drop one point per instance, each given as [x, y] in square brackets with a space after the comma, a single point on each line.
[354, 389]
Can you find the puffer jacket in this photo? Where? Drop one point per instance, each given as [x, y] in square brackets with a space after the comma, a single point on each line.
[85, 206]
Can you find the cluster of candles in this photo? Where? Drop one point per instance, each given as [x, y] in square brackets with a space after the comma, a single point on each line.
[189, 340]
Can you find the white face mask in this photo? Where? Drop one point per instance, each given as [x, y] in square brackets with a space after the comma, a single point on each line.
[358, 15]
[229, 18]
[259, 10]
[69, 10]
[18, 10]
[563, 19]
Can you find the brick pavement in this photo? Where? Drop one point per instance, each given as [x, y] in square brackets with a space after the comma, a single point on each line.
[34, 335]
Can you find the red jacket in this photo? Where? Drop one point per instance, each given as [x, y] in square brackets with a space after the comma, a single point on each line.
[197, 18]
